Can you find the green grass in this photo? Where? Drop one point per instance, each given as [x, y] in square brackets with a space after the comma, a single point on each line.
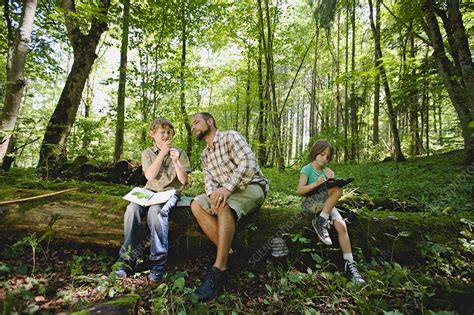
[436, 183]
[442, 282]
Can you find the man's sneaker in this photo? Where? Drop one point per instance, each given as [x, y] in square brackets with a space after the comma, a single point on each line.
[350, 269]
[156, 273]
[321, 226]
[212, 286]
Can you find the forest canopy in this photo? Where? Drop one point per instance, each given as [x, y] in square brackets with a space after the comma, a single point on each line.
[376, 78]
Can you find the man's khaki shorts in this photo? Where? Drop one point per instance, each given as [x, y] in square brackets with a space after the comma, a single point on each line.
[241, 201]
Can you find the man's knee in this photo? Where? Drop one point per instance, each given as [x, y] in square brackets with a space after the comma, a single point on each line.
[196, 208]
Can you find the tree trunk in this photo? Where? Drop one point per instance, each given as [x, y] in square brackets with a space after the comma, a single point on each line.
[15, 73]
[338, 90]
[88, 101]
[247, 99]
[184, 113]
[354, 102]
[391, 114]
[377, 61]
[84, 46]
[461, 90]
[314, 105]
[346, 91]
[276, 117]
[427, 116]
[237, 106]
[413, 101]
[261, 126]
[119, 132]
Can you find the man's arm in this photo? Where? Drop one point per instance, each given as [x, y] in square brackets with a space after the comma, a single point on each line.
[210, 183]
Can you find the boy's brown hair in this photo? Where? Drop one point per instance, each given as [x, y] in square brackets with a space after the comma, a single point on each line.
[318, 147]
[161, 123]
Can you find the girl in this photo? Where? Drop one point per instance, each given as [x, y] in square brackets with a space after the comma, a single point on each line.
[315, 197]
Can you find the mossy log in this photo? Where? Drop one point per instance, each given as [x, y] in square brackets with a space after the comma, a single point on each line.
[122, 172]
[95, 221]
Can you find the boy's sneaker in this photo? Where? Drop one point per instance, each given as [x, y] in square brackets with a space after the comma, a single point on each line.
[156, 273]
[212, 286]
[125, 269]
[321, 226]
[351, 272]
[121, 273]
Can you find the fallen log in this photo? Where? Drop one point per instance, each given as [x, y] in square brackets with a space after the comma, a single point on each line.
[96, 221]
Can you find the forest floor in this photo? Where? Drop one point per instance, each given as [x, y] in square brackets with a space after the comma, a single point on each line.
[36, 276]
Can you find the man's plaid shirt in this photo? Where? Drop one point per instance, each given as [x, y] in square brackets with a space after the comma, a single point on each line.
[231, 164]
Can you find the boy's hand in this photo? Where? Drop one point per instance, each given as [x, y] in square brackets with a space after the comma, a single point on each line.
[174, 154]
[165, 148]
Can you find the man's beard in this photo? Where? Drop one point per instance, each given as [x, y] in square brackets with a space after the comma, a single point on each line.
[201, 134]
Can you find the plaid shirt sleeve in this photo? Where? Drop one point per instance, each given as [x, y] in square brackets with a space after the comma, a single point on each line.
[243, 156]
[210, 184]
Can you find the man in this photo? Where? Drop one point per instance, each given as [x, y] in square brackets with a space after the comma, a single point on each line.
[235, 186]
[165, 167]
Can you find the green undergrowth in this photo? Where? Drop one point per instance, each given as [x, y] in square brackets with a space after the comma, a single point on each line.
[434, 184]
[36, 278]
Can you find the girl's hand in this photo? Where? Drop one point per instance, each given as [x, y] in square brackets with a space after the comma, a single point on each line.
[330, 174]
[320, 180]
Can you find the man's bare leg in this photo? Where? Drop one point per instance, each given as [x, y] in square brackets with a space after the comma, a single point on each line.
[206, 221]
[225, 234]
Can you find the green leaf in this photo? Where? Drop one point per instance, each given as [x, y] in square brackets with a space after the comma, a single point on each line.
[294, 277]
[269, 288]
[179, 284]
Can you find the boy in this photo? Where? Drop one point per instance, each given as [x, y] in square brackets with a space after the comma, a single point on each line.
[165, 167]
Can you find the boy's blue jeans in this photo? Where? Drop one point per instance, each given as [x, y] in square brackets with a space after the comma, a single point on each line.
[157, 220]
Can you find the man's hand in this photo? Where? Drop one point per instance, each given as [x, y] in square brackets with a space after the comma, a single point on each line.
[219, 199]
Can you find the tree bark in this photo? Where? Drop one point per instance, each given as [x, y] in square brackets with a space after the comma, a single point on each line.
[15, 72]
[247, 98]
[354, 102]
[314, 102]
[278, 148]
[460, 89]
[84, 46]
[261, 126]
[413, 101]
[338, 89]
[388, 97]
[182, 69]
[377, 61]
[120, 125]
